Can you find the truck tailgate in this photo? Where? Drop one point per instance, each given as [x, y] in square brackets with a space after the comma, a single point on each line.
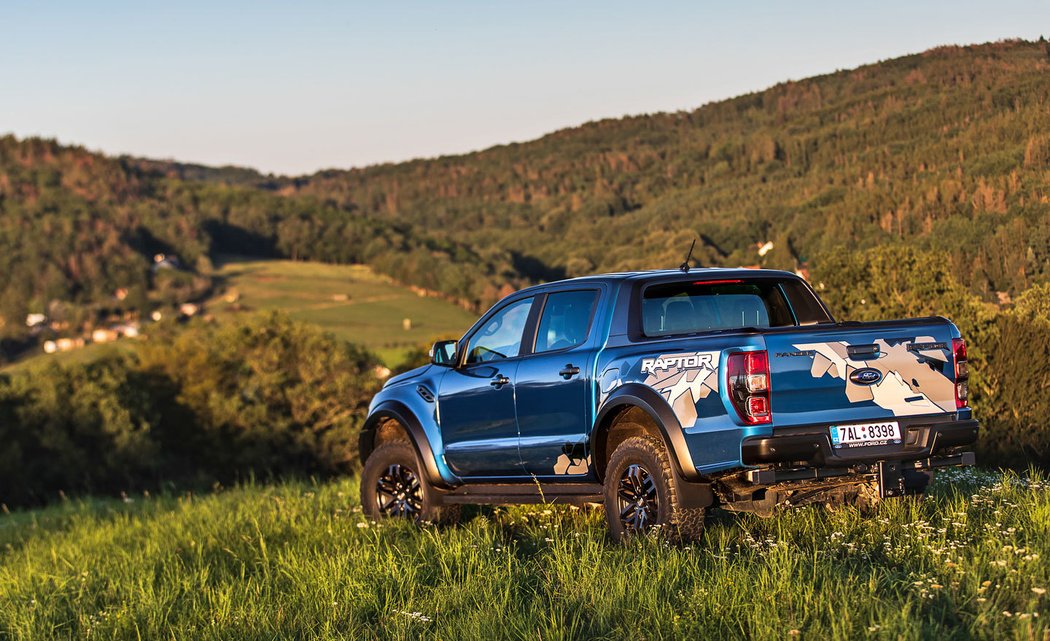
[861, 371]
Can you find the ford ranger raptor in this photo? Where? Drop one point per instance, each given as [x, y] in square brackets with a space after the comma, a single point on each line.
[665, 393]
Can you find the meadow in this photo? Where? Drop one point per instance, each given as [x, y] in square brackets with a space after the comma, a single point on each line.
[351, 301]
[298, 560]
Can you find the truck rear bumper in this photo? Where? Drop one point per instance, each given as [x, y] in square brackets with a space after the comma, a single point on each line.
[807, 454]
[924, 438]
[769, 476]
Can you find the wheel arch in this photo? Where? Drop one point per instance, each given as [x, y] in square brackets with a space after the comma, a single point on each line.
[627, 404]
[393, 421]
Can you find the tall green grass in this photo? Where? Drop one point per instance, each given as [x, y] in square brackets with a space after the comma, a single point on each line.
[298, 560]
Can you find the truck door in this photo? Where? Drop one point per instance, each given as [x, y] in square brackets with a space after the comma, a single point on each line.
[552, 387]
[476, 399]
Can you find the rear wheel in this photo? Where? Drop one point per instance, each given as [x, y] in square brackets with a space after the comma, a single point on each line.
[392, 485]
[640, 494]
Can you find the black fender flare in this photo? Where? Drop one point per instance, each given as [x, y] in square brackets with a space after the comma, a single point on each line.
[416, 435]
[647, 399]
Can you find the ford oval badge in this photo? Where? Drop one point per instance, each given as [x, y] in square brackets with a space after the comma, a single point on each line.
[865, 376]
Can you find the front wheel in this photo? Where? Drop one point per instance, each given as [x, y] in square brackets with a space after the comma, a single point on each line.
[393, 486]
[640, 495]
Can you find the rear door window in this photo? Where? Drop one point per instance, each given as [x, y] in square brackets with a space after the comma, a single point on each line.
[688, 307]
[565, 320]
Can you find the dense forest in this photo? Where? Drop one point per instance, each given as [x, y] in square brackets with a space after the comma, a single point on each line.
[911, 186]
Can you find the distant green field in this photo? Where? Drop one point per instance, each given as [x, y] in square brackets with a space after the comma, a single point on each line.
[298, 561]
[351, 301]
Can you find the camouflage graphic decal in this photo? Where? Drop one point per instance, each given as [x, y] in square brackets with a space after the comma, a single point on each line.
[684, 380]
[913, 380]
[566, 465]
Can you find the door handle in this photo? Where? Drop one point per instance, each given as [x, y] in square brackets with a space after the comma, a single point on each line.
[499, 381]
[863, 352]
[569, 371]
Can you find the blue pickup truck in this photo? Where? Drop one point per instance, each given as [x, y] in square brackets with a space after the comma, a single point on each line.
[664, 393]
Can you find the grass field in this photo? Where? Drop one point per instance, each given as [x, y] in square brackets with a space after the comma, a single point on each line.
[351, 301]
[297, 560]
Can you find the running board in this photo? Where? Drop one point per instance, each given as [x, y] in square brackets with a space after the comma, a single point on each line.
[508, 493]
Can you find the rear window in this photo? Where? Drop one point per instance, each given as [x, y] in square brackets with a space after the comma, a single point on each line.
[688, 307]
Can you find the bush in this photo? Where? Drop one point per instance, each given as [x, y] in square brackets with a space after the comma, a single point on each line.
[266, 396]
[84, 428]
[1014, 404]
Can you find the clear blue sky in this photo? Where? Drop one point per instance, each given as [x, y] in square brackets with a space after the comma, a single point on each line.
[292, 87]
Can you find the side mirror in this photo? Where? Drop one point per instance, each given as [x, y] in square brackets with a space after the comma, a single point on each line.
[444, 353]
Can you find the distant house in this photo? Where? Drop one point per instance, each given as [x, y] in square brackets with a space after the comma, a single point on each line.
[127, 330]
[803, 271]
[35, 320]
[66, 344]
[101, 335]
[166, 261]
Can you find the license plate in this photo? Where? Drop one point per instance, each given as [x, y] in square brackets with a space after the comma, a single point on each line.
[865, 434]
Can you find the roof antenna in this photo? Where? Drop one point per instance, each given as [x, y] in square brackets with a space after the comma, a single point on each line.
[685, 266]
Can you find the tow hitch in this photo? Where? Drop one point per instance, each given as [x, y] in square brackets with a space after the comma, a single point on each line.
[891, 481]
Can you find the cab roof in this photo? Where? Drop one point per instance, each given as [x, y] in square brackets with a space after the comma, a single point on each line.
[700, 273]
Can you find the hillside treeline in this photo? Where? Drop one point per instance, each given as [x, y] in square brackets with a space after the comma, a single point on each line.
[213, 403]
[946, 150]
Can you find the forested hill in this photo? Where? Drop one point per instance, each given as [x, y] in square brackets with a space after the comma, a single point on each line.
[79, 233]
[947, 150]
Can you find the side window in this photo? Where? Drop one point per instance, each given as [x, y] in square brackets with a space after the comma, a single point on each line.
[500, 336]
[807, 308]
[565, 320]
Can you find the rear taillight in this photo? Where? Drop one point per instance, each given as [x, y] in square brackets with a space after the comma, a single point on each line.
[962, 374]
[747, 376]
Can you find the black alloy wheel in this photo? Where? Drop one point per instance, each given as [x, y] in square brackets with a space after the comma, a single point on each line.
[393, 486]
[637, 499]
[398, 492]
[640, 495]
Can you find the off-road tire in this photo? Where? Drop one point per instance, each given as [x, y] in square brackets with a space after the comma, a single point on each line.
[668, 516]
[398, 461]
